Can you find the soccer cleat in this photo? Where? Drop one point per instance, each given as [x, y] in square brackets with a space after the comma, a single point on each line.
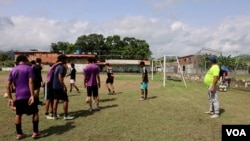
[90, 109]
[20, 136]
[68, 117]
[38, 135]
[214, 116]
[51, 117]
[97, 107]
[141, 99]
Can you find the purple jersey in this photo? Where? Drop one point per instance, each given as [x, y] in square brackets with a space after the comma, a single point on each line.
[90, 72]
[20, 77]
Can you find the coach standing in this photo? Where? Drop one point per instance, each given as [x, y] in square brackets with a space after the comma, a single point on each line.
[211, 78]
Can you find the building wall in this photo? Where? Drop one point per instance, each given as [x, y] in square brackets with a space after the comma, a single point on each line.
[47, 57]
[188, 64]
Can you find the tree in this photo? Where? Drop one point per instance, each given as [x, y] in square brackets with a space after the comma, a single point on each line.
[4, 57]
[112, 47]
[62, 47]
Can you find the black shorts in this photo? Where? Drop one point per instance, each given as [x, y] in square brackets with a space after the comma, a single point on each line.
[22, 107]
[110, 80]
[48, 92]
[37, 85]
[92, 91]
[60, 94]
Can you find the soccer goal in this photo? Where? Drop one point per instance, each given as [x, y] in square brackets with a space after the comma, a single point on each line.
[201, 57]
[169, 66]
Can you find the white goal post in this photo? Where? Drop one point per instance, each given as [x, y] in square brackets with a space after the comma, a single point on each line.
[179, 70]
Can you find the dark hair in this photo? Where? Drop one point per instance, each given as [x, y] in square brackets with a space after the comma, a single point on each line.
[33, 62]
[142, 63]
[38, 60]
[107, 64]
[91, 60]
[61, 57]
[72, 65]
[21, 58]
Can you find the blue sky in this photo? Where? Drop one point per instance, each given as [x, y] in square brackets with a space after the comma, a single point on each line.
[176, 27]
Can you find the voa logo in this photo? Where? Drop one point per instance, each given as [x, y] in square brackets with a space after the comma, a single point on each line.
[236, 132]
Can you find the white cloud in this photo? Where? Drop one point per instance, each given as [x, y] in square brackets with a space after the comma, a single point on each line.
[164, 36]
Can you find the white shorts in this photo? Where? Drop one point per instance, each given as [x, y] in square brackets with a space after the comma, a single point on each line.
[72, 81]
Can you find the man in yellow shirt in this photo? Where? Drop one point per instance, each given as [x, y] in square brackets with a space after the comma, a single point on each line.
[211, 78]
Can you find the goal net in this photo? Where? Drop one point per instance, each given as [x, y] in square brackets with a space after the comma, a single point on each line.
[169, 67]
[201, 58]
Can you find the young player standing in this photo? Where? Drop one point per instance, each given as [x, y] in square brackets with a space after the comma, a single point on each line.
[72, 75]
[144, 82]
[92, 82]
[110, 79]
[22, 77]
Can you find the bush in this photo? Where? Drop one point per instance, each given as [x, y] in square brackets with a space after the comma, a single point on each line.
[8, 63]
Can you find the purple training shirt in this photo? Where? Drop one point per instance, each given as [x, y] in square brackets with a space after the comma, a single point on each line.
[20, 77]
[90, 72]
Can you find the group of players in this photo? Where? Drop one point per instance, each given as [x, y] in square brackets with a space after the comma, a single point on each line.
[26, 79]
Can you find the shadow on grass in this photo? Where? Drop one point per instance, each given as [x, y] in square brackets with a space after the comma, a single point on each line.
[108, 106]
[81, 113]
[107, 99]
[85, 113]
[222, 111]
[58, 129]
[78, 94]
[152, 97]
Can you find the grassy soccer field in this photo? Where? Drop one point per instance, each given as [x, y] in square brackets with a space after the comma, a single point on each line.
[172, 113]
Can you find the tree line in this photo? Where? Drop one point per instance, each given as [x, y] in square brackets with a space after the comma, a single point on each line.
[240, 62]
[111, 47]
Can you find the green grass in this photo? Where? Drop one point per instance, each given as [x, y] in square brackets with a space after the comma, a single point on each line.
[172, 113]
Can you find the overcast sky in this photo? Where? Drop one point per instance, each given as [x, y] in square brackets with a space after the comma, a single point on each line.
[171, 27]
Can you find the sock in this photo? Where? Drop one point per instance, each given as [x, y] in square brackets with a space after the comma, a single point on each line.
[142, 96]
[19, 128]
[35, 126]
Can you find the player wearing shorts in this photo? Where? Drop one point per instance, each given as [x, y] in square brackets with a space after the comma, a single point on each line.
[48, 90]
[72, 75]
[144, 82]
[22, 77]
[92, 82]
[60, 89]
[37, 68]
[110, 79]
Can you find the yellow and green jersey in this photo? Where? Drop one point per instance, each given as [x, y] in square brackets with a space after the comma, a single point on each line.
[211, 73]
